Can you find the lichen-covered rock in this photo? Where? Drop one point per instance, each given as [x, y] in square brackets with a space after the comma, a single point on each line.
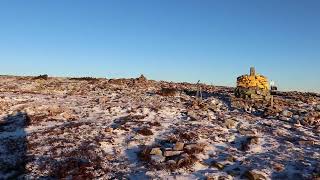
[252, 86]
[156, 151]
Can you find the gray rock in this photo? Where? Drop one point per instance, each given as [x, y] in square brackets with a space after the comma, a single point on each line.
[287, 113]
[318, 107]
[171, 162]
[296, 117]
[172, 153]
[283, 118]
[157, 159]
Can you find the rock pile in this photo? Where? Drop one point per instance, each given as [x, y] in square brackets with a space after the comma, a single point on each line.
[141, 79]
[252, 86]
[171, 156]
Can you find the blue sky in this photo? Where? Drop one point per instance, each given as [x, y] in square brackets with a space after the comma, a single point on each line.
[176, 40]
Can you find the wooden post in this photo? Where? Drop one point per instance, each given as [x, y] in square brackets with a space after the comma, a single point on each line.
[199, 93]
[272, 103]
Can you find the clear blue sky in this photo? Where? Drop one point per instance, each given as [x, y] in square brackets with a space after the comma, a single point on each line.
[176, 40]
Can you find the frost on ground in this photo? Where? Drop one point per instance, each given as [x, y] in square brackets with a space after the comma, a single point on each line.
[86, 128]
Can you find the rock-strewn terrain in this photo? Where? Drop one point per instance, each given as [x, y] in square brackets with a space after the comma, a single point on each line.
[86, 128]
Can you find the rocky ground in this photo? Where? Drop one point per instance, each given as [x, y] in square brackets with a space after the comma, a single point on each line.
[86, 128]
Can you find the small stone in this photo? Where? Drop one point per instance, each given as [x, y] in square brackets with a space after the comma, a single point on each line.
[183, 159]
[306, 143]
[103, 100]
[193, 116]
[283, 118]
[172, 153]
[184, 155]
[218, 165]
[287, 113]
[145, 132]
[254, 175]
[247, 144]
[296, 117]
[318, 107]
[254, 140]
[171, 162]
[194, 148]
[179, 146]
[68, 115]
[106, 147]
[108, 130]
[157, 159]
[297, 124]
[278, 167]
[211, 177]
[247, 131]
[230, 123]
[231, 158]
[231, 138]
[156, 151]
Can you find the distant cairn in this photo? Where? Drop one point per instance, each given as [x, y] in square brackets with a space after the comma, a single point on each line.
[142, 79]
[43, 77]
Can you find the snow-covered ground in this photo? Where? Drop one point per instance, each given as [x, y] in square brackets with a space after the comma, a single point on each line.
[63, 128]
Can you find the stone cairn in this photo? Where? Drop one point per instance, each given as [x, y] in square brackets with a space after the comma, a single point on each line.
[252, 86]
